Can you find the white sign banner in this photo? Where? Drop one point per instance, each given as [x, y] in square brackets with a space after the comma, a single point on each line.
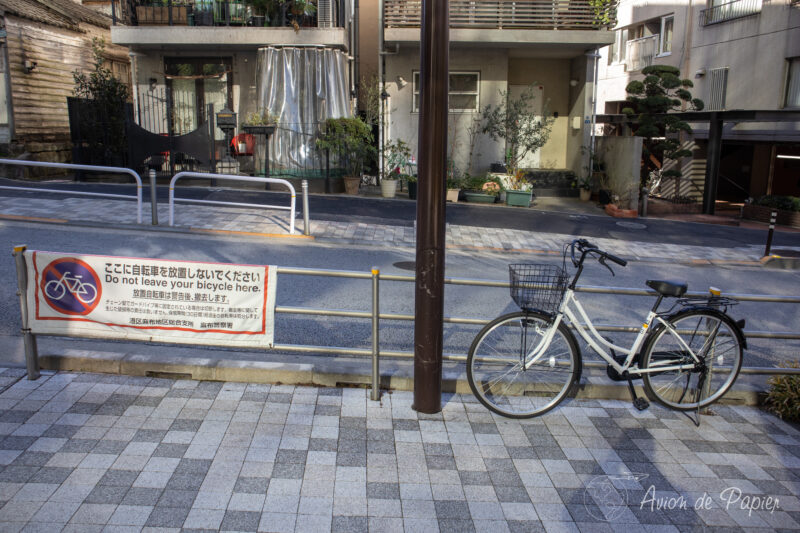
[130, 298]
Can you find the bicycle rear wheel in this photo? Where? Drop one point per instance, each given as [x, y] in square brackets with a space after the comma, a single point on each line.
[714, 338]
[497, 374]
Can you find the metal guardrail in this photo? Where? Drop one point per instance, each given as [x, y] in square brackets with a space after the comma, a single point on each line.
[376, 316]
[230, 177]
[70, 166]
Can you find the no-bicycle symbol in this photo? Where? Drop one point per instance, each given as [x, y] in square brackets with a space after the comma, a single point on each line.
[70, 286]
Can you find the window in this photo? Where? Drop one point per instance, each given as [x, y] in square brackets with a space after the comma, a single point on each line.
[193, 83]
[616, 53]
[793, 83]
[463, 93]
[718, 87]
[665, 43]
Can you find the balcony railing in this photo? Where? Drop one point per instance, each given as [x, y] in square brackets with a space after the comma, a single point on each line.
[508, 14]
[729, 11]
[639, 53]
[328, 14]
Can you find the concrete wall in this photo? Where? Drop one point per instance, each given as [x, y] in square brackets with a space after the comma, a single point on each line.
[622, 156]
[497, 72]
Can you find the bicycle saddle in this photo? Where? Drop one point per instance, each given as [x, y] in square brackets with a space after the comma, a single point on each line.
[668, 288]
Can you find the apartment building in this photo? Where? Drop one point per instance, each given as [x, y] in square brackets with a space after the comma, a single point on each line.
[290, 57]
[499, 46]
[740, 55]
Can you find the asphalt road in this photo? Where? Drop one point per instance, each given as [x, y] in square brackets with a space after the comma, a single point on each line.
[403, 212]
[395, 297]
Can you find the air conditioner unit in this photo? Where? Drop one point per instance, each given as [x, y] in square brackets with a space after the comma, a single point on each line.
[324, 14]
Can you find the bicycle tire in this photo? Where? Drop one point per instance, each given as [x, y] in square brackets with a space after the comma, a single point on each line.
[90, 289]
[56, 293]
[496, 354]
[675, 389]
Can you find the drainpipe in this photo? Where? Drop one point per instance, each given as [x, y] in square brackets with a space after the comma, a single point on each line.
[596, 56]
[382, 107]
[355, 71]
[135, 83]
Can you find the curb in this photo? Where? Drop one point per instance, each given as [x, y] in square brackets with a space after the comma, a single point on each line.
[206, 369]
[780, 262]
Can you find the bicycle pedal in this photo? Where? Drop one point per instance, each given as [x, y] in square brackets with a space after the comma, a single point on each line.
[641, 404]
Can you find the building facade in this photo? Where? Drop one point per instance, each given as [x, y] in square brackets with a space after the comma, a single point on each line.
[740, 55]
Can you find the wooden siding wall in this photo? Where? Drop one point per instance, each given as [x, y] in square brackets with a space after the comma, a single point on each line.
[40, 97]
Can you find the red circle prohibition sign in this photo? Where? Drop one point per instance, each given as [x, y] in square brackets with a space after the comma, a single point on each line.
[70, 286]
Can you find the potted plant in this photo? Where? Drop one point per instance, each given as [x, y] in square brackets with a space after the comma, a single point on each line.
[480, 190]
[453, 188]
[396, 157]
[585, 188]
[519, 192]
[350, 139]
[260, 122]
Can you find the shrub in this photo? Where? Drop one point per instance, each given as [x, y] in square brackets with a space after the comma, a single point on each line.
[786, 203]
[783, 397]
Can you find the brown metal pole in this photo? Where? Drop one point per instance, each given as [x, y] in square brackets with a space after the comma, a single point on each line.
[432, 164]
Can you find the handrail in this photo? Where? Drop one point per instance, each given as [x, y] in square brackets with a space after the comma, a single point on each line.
[729, 11]
[232, 177]
[70, 166]
[508, 14]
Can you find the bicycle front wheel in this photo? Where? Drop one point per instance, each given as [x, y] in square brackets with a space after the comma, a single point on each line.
[714, 338]
[497, 372]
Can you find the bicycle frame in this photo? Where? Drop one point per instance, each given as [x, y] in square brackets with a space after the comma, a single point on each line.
[597, 342]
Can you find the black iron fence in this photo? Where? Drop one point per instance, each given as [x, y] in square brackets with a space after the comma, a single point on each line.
[322, 14]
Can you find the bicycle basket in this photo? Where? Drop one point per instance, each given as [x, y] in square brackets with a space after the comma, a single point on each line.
[537, 286]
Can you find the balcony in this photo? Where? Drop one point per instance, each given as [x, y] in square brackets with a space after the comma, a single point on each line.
[508, 14]
[231, 23]
[639, 53]
[566, 28]
[729, 11]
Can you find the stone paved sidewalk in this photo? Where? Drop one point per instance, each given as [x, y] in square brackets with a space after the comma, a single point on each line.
[92, 452]
[277, 222]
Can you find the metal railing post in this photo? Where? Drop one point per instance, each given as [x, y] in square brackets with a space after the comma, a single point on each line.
[306, 225]
[153, 199]
[773, 217]
[375, 395]
[28, 339]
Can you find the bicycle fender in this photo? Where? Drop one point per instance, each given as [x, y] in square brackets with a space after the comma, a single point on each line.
[722, 316]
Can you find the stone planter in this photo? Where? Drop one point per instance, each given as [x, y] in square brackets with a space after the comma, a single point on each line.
[351, 184]
[518, 198]
[479, 197]
[388, 188]
[762, 213]
[616, 212]
[452, 195]
[585, 195]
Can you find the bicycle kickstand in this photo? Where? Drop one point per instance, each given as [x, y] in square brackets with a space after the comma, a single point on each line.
[639, 403]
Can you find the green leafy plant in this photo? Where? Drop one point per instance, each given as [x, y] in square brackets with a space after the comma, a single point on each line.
[396, 157]
[517, 182]
[514, 121]
[261, 117]
[109, 95]
[351, 140]
[785, 203]
[783, 397]
[454, 183]
[584, 182]
[650, 101]
[605, 12]
[474, 183]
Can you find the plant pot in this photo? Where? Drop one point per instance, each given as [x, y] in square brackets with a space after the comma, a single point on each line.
[388, 188]
[604, 196]
[412, 190]
[351, 184]
[452, 195]
[479, 197]
[585, 195]
[519, 198]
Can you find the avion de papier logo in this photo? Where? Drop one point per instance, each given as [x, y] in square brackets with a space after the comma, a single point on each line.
[71, 286]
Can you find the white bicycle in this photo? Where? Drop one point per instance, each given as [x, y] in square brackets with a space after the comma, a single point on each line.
[524, 364]
[57, 288]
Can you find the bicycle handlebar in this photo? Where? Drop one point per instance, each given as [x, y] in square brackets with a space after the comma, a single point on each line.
[585, 247]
